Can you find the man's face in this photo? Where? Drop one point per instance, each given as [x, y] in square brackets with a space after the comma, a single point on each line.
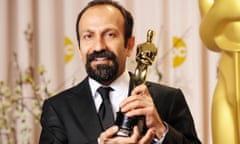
[101, 31]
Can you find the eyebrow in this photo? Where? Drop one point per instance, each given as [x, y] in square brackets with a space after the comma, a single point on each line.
[104, 30]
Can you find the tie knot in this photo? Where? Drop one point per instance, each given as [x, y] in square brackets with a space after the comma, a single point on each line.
[104, 92]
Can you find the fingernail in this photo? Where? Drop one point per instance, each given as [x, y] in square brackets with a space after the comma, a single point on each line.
[122, 109]
[115, 128]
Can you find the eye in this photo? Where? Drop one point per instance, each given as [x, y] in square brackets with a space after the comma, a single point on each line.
[110, 34]
[87, 36]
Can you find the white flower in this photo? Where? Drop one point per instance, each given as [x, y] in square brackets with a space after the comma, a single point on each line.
[37, 112]
[5, 91]
[5, 105]
[2, 123]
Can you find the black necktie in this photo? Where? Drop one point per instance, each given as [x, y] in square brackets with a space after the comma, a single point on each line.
[105, 111]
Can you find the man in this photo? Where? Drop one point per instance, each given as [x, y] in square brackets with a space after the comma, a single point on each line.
[104, 32]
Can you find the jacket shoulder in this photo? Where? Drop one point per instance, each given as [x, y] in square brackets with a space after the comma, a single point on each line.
[164, 89]
[70, 92]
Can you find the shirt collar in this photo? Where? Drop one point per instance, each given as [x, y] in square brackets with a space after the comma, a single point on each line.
[118, 84]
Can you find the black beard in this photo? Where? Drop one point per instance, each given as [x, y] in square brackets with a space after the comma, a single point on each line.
[103, 73]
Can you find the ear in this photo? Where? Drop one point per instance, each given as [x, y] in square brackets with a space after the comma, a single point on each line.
[130, 45]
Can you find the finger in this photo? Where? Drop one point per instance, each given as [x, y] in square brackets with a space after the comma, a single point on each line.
[110, 132]
[137, 93]
[128, 100]
[136, 133]
[137, 112]
[135, 104]
[141, 89]
[147, 138]
[133, 139]
[142, 103]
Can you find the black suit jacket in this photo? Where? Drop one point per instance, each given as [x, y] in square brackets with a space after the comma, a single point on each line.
[71, 118]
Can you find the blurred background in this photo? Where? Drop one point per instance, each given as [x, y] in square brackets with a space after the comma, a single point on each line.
[39, 57]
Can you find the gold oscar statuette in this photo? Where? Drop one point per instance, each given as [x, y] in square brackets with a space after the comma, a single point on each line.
[145, 55]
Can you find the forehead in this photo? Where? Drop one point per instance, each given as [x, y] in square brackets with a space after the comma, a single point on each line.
[101, 14]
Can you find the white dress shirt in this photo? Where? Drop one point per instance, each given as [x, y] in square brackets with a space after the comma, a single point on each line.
[120, 91]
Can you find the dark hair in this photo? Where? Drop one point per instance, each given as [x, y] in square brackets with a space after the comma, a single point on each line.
[128, 19]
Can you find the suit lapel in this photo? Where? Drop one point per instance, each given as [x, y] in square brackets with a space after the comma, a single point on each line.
[84, 108]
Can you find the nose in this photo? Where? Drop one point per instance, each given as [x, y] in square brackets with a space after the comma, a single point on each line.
[100, 44]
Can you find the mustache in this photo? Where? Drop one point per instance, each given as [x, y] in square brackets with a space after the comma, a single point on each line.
[103, 53]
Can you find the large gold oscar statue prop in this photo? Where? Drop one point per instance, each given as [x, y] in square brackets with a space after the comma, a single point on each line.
[220, 31]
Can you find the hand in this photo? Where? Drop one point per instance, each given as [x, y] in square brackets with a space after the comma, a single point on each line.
[140, 103]
[107, 137]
